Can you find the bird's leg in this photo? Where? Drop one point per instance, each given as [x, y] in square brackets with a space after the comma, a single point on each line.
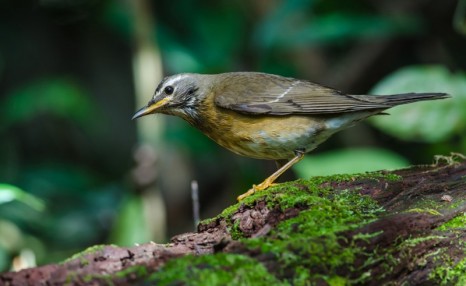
[269, 181]
[280, 163]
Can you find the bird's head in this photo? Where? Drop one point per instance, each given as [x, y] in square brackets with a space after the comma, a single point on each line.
[178, 95]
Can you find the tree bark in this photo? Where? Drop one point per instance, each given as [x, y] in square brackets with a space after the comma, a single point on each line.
[401, 227]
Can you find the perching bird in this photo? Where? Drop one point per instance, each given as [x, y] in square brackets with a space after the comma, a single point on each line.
[267, 116]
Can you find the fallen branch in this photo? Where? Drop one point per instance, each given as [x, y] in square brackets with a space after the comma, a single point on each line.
[406, 226]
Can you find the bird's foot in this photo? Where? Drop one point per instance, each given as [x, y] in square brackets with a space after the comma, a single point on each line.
[255, 188]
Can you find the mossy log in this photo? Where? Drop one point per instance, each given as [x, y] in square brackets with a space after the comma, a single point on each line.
[406, 227]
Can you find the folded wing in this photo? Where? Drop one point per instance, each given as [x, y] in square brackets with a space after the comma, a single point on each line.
[257, 93]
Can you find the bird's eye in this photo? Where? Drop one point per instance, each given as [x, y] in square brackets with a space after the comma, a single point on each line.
[168, 90]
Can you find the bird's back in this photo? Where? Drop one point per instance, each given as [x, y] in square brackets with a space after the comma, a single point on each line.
[258, 93]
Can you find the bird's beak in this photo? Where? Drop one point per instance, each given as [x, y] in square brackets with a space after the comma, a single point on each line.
[152, 108]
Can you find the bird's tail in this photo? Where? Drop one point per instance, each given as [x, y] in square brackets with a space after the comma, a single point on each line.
[403, 98]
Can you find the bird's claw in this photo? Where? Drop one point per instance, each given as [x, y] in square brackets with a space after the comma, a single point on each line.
[255, 188]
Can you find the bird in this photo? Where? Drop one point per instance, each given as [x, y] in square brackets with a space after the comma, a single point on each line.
[267, 116]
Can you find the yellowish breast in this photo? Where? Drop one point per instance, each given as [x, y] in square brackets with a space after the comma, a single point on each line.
[261, 136]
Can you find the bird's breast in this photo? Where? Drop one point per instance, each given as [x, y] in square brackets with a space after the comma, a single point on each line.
[267, 136]
[261, 136]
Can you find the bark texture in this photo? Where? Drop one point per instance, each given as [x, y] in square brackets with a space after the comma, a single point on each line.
[402, 227]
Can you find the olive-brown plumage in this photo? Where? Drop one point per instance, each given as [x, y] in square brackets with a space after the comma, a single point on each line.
[266, 116]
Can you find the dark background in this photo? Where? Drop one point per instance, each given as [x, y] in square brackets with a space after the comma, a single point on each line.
[67, 94]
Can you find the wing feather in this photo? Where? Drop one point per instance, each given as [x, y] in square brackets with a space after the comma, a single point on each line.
[258, 93]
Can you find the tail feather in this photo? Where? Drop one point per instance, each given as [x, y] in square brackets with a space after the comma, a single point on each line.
[403, 98]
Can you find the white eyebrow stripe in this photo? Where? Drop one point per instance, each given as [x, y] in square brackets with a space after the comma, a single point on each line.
[285, 92]
[175, 79]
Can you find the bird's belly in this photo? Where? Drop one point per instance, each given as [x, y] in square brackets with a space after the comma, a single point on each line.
[281, 145]
[273, 138]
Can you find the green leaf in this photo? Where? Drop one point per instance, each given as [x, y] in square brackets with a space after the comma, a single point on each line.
[10, 193]
[348, 161]
[57, 96]
[428, 121]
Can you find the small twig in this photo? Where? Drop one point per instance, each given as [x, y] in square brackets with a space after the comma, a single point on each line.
[196, 205]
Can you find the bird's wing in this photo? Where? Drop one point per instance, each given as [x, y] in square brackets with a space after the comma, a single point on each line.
[257, 93]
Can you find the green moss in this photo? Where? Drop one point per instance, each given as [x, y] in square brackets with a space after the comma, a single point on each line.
[336, 281]
[308, 244]
[218, 269]
[411, 242]
[378, 175]
[310, 247]
[450, 273]
[456, 222]
[424, 210]
[366, 236]
[425, 203]
[436, 204]
[392, 177]
[83, 253]
[101, 278]
[289, 194]
[132, 273]
[135, 271]
[310, 240]
[447, 271]
[235, 231]
[456, 203]
[289, 189]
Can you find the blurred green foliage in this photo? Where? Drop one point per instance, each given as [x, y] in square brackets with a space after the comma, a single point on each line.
[349, 161]
[50, 96]
[130, 225]
[289, 25]
[66, 99]
[9, 193]
[428, 121]
[459, 20]
[13, 239]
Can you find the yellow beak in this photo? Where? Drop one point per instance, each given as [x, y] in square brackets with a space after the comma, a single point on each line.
[151, 108]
